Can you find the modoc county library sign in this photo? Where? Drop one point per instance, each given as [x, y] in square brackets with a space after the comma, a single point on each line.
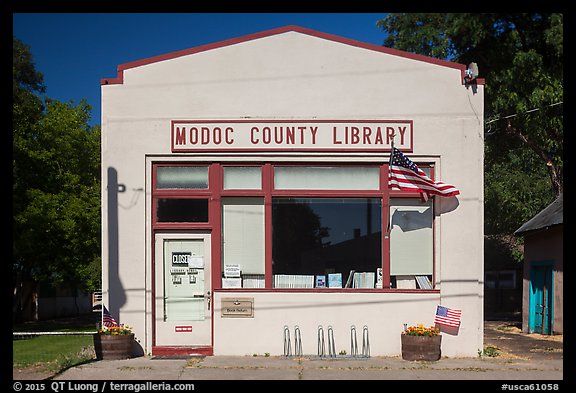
[317, 135]
[243, 196]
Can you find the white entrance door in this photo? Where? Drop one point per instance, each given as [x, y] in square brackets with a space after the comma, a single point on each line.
[183, 291]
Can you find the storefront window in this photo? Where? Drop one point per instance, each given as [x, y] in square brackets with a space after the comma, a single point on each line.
[317, 240]
[243, 242]
[326, 242]
[411, 243]
[326, 178]
[176, 177]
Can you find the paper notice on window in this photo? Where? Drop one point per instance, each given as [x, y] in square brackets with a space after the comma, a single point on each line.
[231, 271]
[196, 262]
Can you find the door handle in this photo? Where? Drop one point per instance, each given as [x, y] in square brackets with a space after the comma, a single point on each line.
[209, 298]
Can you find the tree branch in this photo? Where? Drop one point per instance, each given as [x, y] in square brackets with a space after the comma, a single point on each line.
[554, 172]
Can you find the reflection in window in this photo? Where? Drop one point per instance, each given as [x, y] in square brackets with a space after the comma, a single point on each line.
[317, 239]
[411, 248]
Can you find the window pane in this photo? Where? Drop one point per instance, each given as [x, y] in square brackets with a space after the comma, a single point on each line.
[181, 177]
[326, 178]
[243, 238]
[183, 293]
[319, 241]
[182, 210]
[410, 239]
[242, 178]
[426, 169]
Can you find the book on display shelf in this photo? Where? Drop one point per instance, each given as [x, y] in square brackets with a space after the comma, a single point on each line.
[364, 279]
[293, 281]
[335, 280]
[350, 280]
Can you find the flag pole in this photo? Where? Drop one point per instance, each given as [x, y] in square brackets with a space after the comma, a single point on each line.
[387, 234]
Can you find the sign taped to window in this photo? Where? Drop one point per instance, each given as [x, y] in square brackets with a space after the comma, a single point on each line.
[185, 258]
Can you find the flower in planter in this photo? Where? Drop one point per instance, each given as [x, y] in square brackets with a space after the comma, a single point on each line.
[421, 330]
[120, 330]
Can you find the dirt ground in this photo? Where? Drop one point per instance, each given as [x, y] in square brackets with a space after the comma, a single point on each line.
[511, 342]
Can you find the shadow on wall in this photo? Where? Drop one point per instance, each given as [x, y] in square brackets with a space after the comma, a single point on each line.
[116, 291]
[448, 204]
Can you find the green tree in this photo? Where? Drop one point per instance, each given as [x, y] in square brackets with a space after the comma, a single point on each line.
[521, 57]
[56, 185]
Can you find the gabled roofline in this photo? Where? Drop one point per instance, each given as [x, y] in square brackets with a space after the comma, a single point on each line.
[280, 30]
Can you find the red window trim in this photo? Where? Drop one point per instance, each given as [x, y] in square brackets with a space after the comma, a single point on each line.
[215, 192]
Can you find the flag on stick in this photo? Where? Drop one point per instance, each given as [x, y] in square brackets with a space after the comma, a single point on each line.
[447, 316]
[107, 319]
[405, 175]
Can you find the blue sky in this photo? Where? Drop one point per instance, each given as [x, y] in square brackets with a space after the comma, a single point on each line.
[75, 51]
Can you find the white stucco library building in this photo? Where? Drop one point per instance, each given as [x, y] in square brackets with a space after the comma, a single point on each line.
[245, 192]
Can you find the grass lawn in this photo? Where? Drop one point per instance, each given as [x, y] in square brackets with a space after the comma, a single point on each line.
[55, 352]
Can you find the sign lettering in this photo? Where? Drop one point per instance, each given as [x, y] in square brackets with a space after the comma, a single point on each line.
[181, 258]
[237, 308]
[291, 135]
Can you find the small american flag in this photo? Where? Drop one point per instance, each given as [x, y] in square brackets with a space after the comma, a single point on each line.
[447, 316]
[107, 319]
[405, 175]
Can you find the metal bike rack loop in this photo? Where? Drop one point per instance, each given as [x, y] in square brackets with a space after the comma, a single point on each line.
[297, 341]
[287, 343]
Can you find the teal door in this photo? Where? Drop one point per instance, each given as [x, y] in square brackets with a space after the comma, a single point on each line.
[540, 318]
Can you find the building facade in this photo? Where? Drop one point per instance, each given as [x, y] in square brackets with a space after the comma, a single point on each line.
[245, 193]
[543, 280]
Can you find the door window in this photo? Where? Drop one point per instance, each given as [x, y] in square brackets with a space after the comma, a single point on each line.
[184, 280]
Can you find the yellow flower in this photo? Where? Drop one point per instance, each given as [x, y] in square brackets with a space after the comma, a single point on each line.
[420, 330]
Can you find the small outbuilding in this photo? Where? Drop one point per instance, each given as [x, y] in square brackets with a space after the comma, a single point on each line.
[542, 304]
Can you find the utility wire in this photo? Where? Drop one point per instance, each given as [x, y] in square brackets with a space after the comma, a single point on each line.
[516, 114]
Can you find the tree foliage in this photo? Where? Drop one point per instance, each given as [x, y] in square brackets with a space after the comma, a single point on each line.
[521, 57]
[56, 184]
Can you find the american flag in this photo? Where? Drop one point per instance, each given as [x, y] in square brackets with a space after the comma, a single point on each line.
[447, 316]
[405, 175]
[107, 319]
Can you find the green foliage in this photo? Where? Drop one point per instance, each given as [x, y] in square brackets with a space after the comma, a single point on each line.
[521, 57]
[516, 188]
[489, 351]
[422, 33]
[56, 185]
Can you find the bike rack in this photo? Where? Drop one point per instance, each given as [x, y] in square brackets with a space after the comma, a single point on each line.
[321, 347]
[331, 344]
[365, 342]
[297, 342]
[287, 343]
[353, 342]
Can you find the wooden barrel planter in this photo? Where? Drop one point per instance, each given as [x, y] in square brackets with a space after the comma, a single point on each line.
[421, 347]
[108, 347]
